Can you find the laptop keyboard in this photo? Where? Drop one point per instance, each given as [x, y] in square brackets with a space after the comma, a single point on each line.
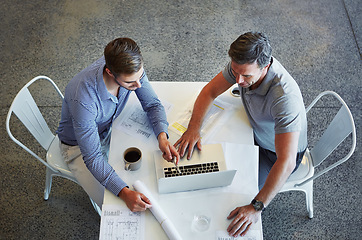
[191, 169]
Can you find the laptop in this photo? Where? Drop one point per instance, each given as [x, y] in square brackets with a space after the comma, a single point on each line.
[205, 169]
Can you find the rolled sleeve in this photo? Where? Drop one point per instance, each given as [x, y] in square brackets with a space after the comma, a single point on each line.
[228, 74]
[286, 114]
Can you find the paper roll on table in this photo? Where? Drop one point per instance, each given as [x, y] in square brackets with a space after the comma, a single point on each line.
[157, 212]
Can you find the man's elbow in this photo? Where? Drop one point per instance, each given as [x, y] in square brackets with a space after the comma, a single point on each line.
[291, 166]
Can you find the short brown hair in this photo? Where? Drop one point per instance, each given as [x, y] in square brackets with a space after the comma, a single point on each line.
[123, 56]
[251, 47]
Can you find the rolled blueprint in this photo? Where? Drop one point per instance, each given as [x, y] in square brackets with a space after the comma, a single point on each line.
[157, 212]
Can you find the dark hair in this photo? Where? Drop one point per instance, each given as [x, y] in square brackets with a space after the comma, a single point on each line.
[250, 47]
[123, 56]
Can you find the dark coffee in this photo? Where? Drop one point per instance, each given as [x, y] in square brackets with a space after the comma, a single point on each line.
[236, 91]
[132, 156]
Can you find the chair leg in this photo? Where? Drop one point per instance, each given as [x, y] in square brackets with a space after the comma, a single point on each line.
[309, 198]
[96, 207]
[48, 183]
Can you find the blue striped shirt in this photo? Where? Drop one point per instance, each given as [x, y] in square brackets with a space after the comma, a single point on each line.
[88, 111]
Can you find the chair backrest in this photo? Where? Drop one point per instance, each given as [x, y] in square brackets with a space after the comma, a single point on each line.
[27, 111]
[339, 128]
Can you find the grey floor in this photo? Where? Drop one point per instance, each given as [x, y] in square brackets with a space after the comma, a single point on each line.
[319, 42]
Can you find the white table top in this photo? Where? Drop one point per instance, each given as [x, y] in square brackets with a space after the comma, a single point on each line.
[237, 139]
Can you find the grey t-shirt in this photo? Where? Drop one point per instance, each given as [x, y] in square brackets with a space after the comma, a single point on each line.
[275, 107]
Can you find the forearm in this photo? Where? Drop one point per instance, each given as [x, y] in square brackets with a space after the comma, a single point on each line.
[192, 137]
[286, 146]
[153, 107]
[105, 174]
[201, 106]
[162, 137]
[277, 177]
[212, 90]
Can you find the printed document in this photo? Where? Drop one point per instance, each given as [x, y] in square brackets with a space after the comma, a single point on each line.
[215, 117]
[135, 122]
[119, 223]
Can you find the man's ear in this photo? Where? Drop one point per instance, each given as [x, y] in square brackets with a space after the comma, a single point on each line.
[267, 66]
[109, 72]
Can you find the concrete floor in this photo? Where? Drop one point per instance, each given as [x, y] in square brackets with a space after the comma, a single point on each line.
[319, 42]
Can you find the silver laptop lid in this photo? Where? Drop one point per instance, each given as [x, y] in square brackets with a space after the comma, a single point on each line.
[195, 182]
[210, 154]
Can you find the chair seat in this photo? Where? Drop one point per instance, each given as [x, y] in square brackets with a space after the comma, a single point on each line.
[304, 171]
[55, 158]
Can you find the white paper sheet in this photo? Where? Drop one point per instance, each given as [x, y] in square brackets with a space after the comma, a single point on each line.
[119, 223]
[216, 116]
[135, 122]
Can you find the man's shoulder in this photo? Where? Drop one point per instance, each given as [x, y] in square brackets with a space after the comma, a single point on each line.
[85, 85]
[280, 77]
[90, 73]
[278, 71]
[227, 73]
[92, 69]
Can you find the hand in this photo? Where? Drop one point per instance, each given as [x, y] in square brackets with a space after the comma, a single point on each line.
[189, 139]
[169, 152]
[243, 218]
[135, 201]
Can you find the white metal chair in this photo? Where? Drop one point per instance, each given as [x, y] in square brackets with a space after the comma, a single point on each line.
[337, 131]
[27, 111]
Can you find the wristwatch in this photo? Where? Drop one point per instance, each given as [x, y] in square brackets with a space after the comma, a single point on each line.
[258, 205]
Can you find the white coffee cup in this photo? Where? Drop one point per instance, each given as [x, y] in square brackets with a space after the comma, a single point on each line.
[132, 158]
[235, 91]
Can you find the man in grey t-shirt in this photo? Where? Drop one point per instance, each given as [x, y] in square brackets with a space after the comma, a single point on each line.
[276, 112]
